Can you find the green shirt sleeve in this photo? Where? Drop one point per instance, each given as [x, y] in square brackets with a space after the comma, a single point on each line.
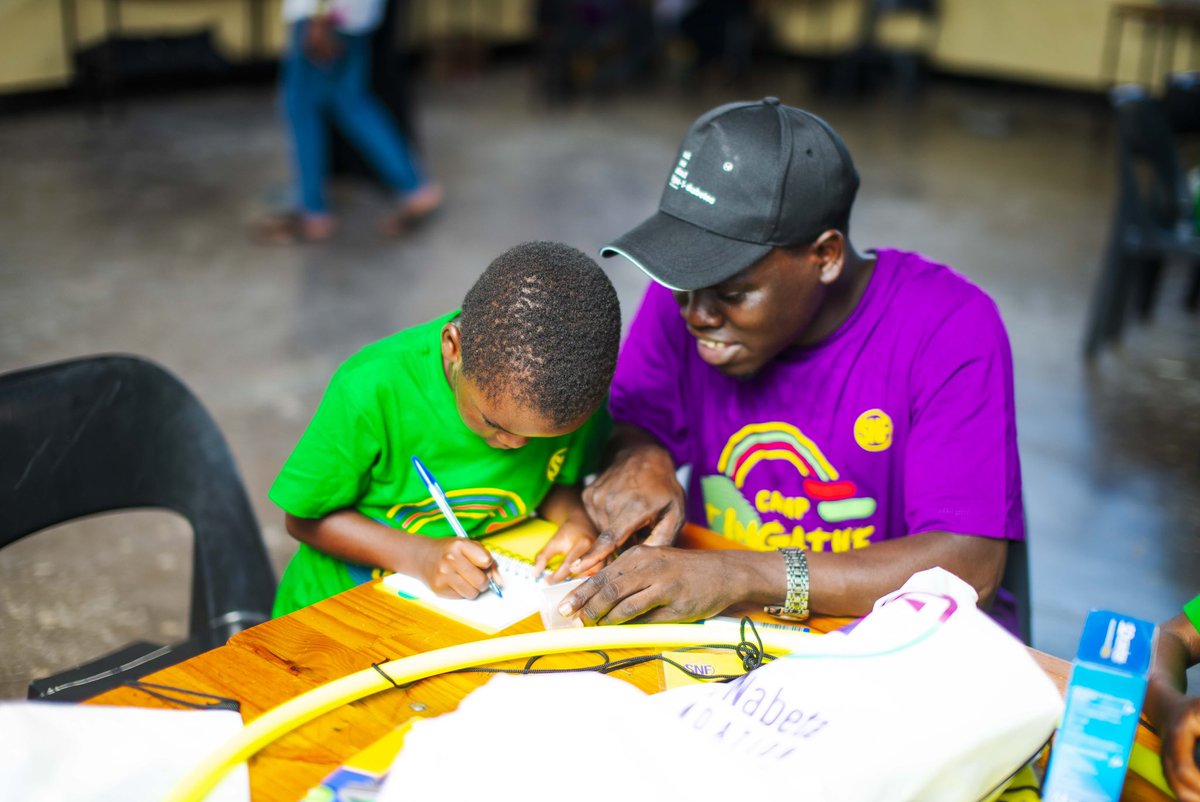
[1192, 611]
[331, 465]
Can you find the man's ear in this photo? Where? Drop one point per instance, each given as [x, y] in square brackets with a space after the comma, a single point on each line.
[451, 345]
[829, 250]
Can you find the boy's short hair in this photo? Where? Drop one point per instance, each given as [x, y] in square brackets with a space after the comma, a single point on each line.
[543, 324]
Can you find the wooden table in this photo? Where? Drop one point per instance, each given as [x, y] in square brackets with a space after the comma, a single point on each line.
[281, 659]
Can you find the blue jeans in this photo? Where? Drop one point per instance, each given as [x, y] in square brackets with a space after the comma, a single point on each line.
[314, 93]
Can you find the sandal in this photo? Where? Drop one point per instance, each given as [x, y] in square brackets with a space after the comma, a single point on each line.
[417, 207]
[290, 228]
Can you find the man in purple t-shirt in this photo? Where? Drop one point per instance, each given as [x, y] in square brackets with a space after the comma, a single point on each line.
[849, 416]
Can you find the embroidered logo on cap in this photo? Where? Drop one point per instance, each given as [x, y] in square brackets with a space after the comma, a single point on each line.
[679, 180]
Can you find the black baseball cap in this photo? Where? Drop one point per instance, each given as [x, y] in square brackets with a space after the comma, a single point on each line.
[749, 177]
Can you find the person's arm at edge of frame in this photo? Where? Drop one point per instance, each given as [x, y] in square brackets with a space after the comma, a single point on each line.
[637, 490]
[655, 584]
[563, 505]
[451, 566]
[1176, 716]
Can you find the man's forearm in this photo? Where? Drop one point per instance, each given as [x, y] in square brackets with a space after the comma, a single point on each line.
[628, 441]
[848, 583]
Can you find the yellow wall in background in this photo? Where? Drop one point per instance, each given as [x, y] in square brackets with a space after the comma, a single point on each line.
[1053, 42]
[494, 21]
[31, 40]
[31, 49]
[1057, 42]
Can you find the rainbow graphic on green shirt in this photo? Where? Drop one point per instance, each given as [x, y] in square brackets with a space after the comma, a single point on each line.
[501, 508]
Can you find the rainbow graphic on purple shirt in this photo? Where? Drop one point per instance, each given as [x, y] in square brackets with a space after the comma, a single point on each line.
[776, 441]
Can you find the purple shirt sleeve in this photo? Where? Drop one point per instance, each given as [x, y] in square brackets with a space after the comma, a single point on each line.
[647, 389]
[961, 468]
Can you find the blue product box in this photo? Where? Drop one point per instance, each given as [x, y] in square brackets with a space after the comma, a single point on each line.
[1104, 701]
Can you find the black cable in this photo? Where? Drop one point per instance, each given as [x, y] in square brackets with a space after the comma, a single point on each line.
[752, 654]
[155, 690]
[383, 674]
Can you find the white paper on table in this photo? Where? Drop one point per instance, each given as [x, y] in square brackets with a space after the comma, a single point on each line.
[61, 752]
[523, 593]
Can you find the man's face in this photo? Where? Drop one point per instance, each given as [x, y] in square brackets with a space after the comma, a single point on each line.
[744, 322]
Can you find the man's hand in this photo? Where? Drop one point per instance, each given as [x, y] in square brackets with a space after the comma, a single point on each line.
[573, 538]
[321, 43]
[637, 492]
[1179, 749]
[457, 567]
[653, 584]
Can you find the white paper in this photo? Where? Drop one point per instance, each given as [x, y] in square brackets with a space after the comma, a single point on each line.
[523, 594]
[61, 752]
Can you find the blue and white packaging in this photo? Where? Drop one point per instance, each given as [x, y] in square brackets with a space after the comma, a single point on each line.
[1104, 701]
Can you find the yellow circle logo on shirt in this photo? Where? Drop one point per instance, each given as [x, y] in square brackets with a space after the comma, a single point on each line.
[556, 462]
[873, 430]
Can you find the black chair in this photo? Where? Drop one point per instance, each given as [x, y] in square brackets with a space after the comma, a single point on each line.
[117, 432]
[854, 71]
[1016, 581]
[591, 47]
[1152, 221]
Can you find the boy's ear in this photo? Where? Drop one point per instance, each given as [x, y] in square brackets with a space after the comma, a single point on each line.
[451, 344]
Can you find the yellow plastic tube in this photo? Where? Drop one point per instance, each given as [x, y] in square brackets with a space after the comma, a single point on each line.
[197, 784]
[1149, 766]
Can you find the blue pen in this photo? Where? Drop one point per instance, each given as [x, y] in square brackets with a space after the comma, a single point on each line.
[443, 503]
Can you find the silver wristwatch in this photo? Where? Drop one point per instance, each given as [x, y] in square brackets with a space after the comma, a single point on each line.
[795, 606]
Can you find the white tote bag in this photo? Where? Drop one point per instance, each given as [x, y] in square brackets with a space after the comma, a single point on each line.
[925, 699]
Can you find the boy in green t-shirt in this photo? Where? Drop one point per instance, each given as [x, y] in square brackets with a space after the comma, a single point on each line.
[503, 401]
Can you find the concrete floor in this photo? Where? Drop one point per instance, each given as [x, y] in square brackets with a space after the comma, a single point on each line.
[129, 234]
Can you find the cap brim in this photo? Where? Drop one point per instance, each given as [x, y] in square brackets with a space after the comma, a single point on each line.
[682, 256]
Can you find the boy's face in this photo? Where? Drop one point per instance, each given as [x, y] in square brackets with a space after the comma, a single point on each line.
[502, 421]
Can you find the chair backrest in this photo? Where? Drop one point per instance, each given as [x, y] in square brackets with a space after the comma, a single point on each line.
[1153, 186]
[117, 432]
[1016, 581]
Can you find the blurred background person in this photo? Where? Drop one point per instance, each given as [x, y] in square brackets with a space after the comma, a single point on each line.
[325, 78]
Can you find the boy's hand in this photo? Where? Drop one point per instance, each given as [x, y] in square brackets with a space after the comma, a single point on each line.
[1178, 750]
[459, 567]
[571, 540]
